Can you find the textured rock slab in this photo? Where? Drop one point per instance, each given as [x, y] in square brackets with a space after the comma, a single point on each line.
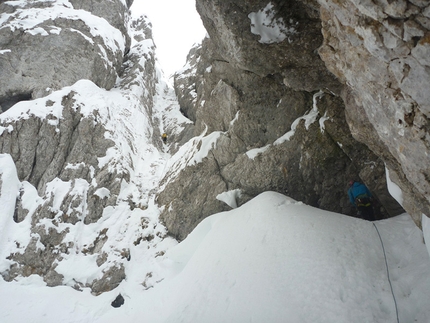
[46, 45]
[268, 137]
[74, 152]
[381, 51]
[247, 33]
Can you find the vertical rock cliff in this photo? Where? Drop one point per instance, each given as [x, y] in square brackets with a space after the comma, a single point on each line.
[268, 115]
[380, 51]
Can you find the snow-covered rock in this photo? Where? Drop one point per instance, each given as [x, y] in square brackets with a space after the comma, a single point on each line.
[84, 156]
[275, 135]
[46, 45]
[273, 259]
[287, 28]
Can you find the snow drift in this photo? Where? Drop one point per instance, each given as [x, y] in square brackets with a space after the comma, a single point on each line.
[270, 260]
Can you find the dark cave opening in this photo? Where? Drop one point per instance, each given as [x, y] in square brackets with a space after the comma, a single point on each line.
[7, 102]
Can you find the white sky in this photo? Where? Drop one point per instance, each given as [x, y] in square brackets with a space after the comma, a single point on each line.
[176, 26]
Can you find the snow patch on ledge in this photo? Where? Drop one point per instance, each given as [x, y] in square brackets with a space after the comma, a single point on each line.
[394, 190]
[9, 189]
[30, 19]
[321, 122]
[309, 117]
[271, 29]
[235, 118]
[191, 153]
[255, 152]
[102, 193]
[230, 197]
[208, 143]
[9, 129]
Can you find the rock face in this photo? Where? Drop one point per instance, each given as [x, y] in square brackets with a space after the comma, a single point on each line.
[246, 42]
[268, 116]
[71, 157]
[46, 45]
[381, 50]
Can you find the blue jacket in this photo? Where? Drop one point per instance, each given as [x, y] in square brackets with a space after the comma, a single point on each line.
[357, 189]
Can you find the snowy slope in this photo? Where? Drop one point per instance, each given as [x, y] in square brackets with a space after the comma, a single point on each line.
[271, 260]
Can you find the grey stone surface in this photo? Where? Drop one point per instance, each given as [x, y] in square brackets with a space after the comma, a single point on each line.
[185, 83]
[191, 198]
[67, 149]
[113, 11]
[42, 151]
[251, 112]
[229, 26]
[110, 280]
[44, 47]
[381, 52]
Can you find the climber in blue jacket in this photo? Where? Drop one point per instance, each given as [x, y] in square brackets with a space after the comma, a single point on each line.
[361, 198]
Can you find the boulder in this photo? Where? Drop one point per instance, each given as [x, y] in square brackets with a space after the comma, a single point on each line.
[118, 301]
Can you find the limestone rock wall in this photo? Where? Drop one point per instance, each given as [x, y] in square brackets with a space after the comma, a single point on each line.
[268, 116]
[46, 45]
[75, 149]
[244, 41]
[381, 51]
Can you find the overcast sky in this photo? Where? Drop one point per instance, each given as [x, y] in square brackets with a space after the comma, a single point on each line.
[176, 26]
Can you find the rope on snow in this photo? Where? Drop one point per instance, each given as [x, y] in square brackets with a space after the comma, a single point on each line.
[388, 272]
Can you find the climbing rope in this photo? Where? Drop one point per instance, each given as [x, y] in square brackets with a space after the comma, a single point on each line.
[388, 272]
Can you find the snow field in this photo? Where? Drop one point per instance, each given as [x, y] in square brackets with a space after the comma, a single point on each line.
[270, 260]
